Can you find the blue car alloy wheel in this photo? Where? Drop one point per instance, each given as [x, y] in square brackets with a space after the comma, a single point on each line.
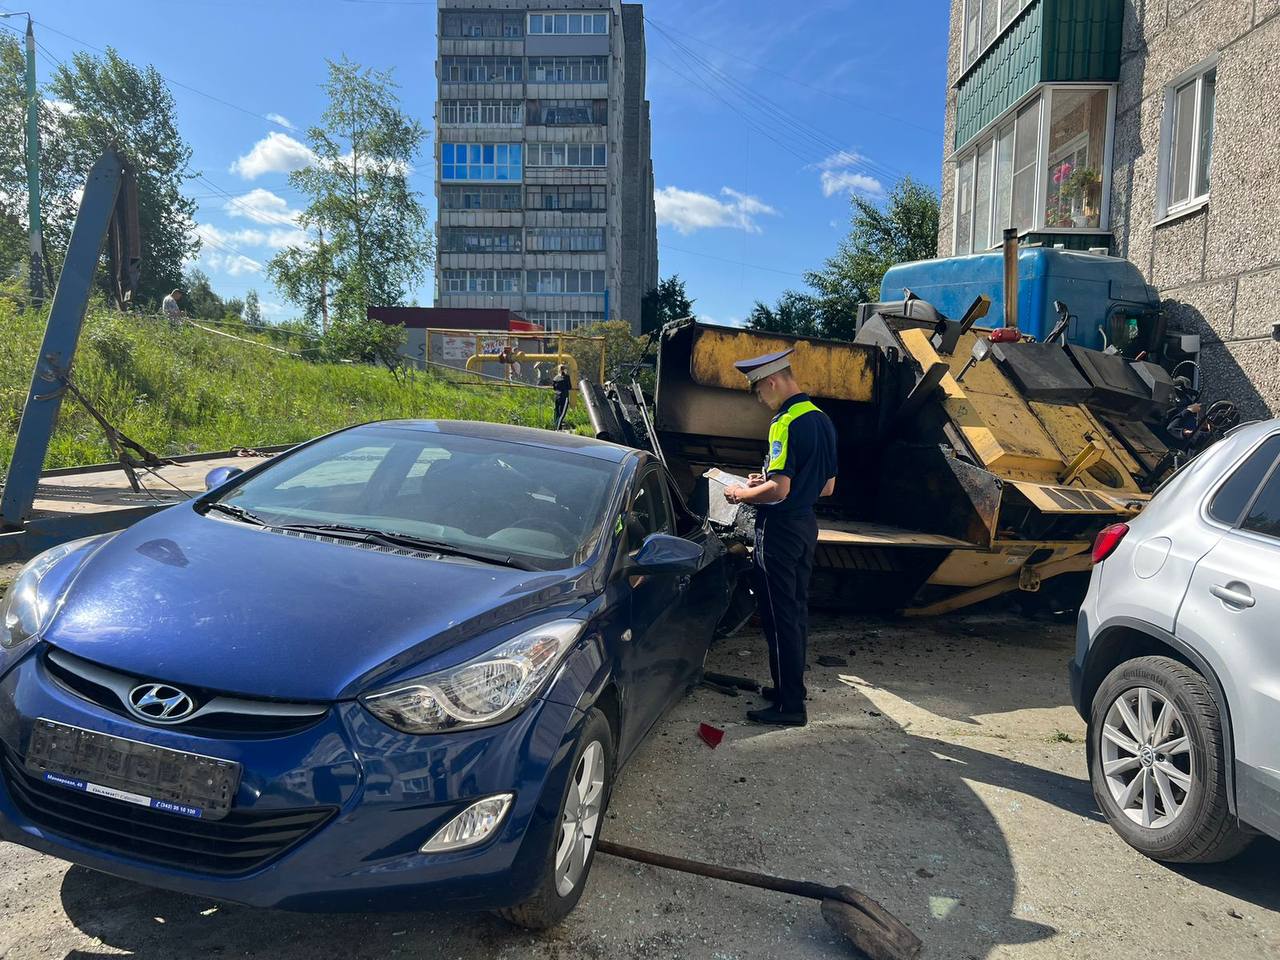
[394, 668]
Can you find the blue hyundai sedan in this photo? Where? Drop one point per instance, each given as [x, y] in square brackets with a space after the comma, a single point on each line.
[396, 667]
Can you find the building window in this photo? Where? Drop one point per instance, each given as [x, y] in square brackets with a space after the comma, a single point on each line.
[1187, 153]
[1077, 138]
[480, 281]
[481, 70]
[564, 281]
[482, 25]
[1015, 176]
[568, 24]
[578, 196]
[567, 155]
[480, 161]
[479, 198]
[983, 21]
[565, 239]
[568, 69]
[566, 113]
[482, 113]
[563, 319]
[479, 240]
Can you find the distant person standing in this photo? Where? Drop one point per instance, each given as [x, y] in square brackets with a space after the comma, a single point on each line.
[172, 311]
[561, 384]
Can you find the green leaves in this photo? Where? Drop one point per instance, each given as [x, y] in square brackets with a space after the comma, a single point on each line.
[902, 228]
[371, 239]
[664, 303]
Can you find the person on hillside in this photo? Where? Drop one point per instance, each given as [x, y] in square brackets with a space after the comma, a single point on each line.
[562, 385]
[171, 308]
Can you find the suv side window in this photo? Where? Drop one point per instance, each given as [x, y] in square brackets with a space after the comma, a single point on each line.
[1264, 514]
[1234, 495]
[650, 512]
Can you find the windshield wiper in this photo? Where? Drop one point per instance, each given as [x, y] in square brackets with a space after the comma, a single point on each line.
[240, 513]
[403, 540]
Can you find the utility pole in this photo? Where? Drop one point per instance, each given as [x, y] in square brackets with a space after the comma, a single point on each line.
[324, 286]
[33, 165]
[33, 171]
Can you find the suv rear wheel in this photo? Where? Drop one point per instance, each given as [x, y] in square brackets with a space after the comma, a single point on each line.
[1158, 765]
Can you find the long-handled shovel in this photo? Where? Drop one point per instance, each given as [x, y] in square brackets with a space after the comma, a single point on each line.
[870, 927]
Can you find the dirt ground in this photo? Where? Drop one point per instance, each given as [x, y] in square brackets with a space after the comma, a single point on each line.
[942, 773]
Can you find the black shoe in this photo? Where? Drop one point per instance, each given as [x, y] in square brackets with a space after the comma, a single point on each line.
[769, 693]
[778, 718]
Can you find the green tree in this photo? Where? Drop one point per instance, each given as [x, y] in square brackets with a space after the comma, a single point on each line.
[798, 314]
[904, 227]
[664, 303]
[108, 101]
[376, 242]
[364, 341]
[252, 309]
[13, 165]
[199, 300]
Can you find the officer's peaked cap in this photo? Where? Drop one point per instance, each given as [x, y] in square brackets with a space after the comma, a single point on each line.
[757, 368]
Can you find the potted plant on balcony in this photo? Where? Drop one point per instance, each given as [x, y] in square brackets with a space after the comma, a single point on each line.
[1083, 184]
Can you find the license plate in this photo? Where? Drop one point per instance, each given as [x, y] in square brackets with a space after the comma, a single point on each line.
[172, 781]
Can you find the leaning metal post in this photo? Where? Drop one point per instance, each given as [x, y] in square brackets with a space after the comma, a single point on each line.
[66, 317]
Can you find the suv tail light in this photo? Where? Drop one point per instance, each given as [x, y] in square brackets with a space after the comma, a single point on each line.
[1107, 540]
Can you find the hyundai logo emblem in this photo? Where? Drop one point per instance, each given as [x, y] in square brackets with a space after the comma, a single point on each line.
[160, 703]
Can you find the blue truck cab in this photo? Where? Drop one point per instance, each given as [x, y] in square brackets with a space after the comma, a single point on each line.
[1108, 300]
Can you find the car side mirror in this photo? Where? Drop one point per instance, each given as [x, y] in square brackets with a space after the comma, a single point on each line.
[220, 475]
[662, 553]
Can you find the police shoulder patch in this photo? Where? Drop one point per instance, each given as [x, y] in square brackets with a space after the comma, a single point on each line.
[775, 449]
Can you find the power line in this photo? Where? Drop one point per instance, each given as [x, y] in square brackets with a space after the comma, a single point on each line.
[801, 83]
[737, 263]
[176, 83]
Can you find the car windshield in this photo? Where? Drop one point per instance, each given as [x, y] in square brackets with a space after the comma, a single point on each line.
[481, 497]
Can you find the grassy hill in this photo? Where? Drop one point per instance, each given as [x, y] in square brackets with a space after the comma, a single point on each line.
[184, 391]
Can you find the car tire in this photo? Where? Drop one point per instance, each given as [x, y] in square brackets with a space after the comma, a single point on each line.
[552, 901]
[1170, 805]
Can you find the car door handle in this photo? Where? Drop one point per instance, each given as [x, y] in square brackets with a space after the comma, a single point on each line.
[1235, 598]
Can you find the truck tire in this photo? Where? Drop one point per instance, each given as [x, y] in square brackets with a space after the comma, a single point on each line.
[1158, 763]
[555, 896]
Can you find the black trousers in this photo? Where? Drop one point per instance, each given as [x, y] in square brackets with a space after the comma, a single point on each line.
[562, 404]
[783, 565]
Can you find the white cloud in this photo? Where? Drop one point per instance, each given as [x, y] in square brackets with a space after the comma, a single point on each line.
[218, 253]
[262, 206]
[837, 175]
[275, 153]
[688, 210]
[60, 106]
[282, 120]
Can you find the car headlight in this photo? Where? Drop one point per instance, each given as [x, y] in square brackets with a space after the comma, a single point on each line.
[23, 613]
[489, 689]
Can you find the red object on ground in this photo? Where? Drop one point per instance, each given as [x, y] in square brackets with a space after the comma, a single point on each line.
[1005, 335]
[710, 735]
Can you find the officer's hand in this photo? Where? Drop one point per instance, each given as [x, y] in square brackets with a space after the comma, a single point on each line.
[755, 479]
[732, 493]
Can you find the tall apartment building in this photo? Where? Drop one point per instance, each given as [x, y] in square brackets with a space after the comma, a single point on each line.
[1146, 127]
[544, 178]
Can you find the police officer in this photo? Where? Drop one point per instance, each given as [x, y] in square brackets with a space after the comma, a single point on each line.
[800, 468]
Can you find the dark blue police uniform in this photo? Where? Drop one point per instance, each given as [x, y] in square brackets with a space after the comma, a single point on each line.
[802, 446]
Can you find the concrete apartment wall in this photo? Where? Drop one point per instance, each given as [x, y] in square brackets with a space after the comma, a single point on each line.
[630, 256]
[1217, 267]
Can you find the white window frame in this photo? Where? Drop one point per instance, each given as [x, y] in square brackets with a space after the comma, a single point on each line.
[556, 19]
[1165, 208]
[1006, 12]
[989, 136]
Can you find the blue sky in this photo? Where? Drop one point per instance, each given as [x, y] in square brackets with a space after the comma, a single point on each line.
[765, 116]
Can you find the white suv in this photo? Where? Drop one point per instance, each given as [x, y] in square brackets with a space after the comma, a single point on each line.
[1177, 664]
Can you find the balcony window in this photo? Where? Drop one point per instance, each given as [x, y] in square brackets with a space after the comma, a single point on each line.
[1077, 138]
[568, 24]
[482, 113]
[479, 240]
[481, 281]
[479, 198]
[982, 22]
[565, 281]
[1187, 149]
[480, 161]
[578, 196]
[482, 25]
[481, 70]
[567, 155]
[568, 69]
[565, 113]
[1043, 166]
[565, 239]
